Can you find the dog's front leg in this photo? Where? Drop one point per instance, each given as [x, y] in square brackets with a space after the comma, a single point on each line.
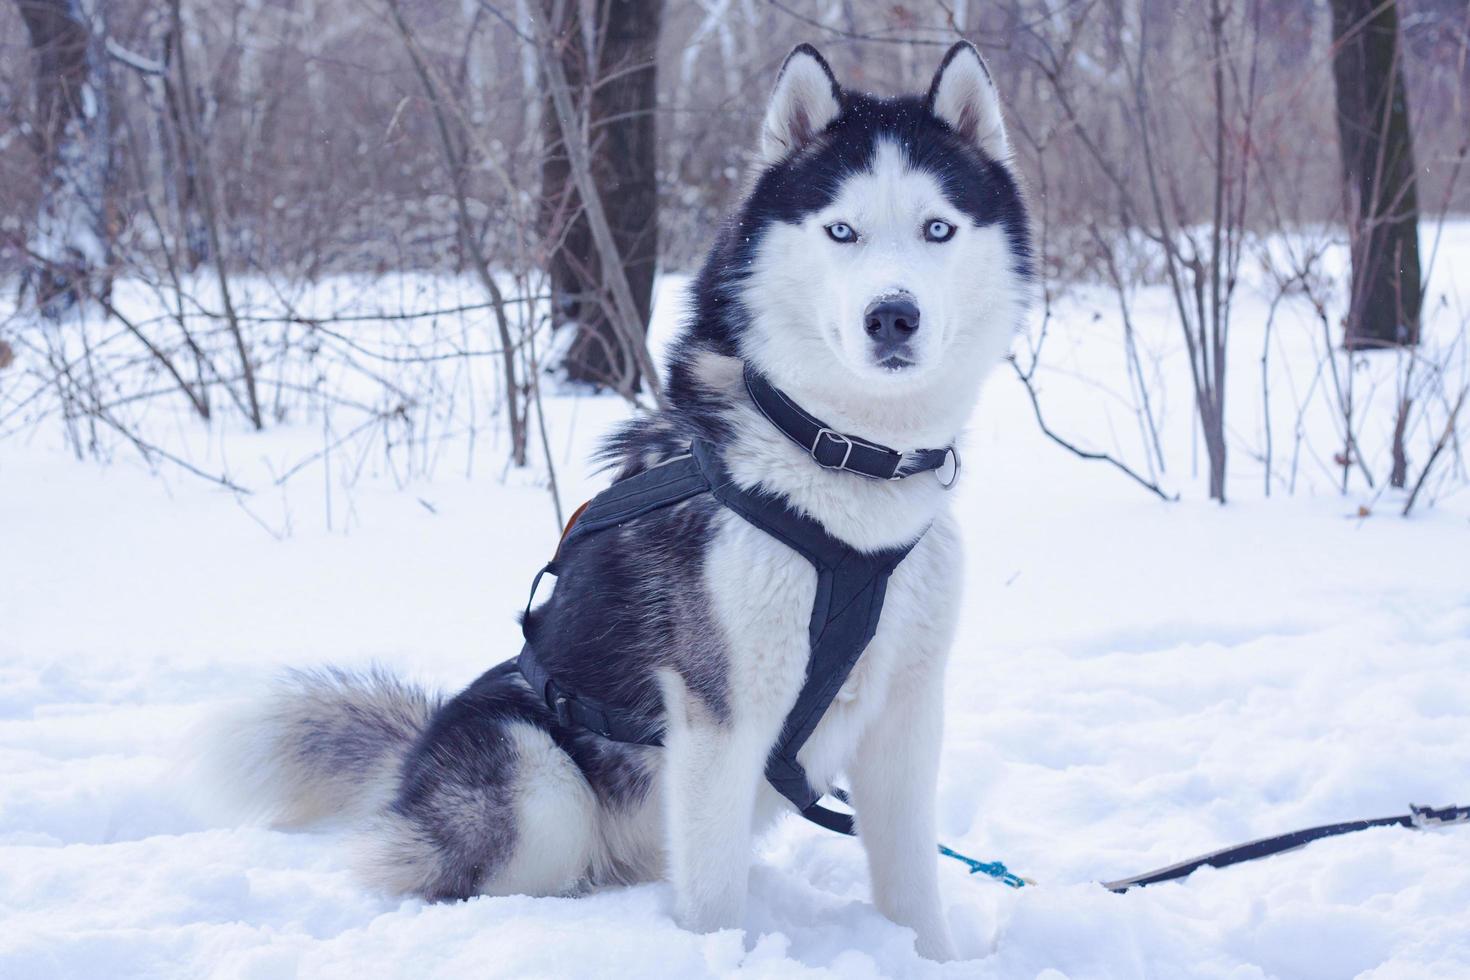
[894, 776]
[712, 769]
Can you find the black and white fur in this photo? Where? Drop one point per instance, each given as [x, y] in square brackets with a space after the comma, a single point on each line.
[690, 610]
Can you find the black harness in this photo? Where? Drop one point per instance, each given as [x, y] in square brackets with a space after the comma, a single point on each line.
[850, 583]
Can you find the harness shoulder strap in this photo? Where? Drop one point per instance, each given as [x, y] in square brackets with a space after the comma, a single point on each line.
[663, 485]
[845, 614]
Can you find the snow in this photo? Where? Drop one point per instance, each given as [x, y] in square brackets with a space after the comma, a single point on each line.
[1135, 682]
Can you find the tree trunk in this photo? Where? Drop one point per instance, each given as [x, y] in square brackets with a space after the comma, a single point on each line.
[623, 135]
[1378, 171]
[573, 282]
[181, 167]
[69, 242]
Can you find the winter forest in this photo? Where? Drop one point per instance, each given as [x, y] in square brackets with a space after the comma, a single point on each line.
[313, 316]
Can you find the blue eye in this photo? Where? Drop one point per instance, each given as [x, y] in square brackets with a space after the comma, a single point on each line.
[841, 231]
[938, 231]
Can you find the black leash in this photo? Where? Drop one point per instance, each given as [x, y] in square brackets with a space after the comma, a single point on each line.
[1418, 818]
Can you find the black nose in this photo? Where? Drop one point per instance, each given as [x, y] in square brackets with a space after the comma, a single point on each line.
[892, 321]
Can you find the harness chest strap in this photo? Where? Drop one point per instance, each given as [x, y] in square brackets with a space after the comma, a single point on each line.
[845, 612]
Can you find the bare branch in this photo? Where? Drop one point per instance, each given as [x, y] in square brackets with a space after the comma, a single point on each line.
[1132, 474]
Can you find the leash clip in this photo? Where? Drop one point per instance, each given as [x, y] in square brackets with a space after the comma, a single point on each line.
[1425, 817]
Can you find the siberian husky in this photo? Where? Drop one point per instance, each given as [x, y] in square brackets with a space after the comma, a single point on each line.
[907, 206]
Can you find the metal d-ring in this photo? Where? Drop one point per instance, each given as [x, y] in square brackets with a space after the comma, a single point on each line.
[950, 454]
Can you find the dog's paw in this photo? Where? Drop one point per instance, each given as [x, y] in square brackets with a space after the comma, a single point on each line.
[706, 914]
[935, 944]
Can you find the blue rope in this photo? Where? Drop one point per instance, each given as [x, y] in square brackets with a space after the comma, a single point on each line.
[994, 869]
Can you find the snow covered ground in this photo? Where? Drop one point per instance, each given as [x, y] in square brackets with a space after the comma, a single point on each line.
[1136, 682]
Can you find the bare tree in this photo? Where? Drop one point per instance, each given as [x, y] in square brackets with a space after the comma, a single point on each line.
[456, 147]
[614, 89]
[180, 164]
[68, 242]
[213, 219]
[1189, 207]
[1377, 150]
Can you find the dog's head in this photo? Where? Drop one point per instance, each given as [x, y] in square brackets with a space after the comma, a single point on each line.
[883, 248]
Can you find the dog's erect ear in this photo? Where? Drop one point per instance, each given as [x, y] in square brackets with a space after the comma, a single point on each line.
[964, 96]
[804, 103]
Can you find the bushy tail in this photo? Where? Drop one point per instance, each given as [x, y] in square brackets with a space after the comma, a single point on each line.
[322, 744]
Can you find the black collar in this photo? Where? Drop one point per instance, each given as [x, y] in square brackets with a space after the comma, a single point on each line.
[835, 451]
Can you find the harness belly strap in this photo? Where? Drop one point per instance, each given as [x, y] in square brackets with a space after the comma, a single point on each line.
[845, 612]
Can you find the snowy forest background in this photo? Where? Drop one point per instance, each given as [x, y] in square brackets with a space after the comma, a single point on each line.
[311, 314]
[177, 178]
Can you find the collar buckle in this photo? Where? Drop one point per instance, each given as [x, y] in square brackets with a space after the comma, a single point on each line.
[836, 437]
